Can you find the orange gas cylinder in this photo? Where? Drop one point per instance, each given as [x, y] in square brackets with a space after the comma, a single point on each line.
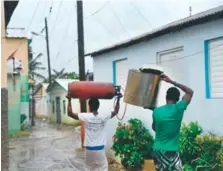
[90, 89]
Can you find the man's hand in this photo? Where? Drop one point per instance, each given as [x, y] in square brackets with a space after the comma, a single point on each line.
[68, 97]
[116, 109]
[166, 78]
[119, 96]
[188, 91]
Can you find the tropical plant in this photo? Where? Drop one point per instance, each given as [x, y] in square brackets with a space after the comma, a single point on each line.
[132, 143]
[200, 151]
[71, 75]
[189, 149]
[59, 74]
[34, 67]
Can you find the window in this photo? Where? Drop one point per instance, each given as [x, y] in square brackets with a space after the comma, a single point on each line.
[214, 67]
[120, 72]
[53, 105]
[64, 106]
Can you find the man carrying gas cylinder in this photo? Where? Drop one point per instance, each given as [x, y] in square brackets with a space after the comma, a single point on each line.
[95, 135]
[166, 124]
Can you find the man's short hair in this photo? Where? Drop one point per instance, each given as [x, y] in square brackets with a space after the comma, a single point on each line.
[173, 94]
[94, 104]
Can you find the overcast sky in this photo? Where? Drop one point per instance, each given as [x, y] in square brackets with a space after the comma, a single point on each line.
[105, 23]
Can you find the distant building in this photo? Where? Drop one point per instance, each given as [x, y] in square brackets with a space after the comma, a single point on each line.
[41, 101]
[57, 110]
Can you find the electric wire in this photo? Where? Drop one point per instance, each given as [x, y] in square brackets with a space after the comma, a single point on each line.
[98, 10]
[123, 27]
[58, 12]
[64, 35]
[140, 13]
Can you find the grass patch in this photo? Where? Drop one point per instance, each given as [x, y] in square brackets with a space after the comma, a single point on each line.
[42, 117]
[20, 134]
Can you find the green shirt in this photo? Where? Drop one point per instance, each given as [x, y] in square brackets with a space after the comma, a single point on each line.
[167, 120]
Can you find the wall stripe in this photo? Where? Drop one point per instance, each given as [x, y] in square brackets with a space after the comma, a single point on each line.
[114, 69]
[206, 59]
[114, 72]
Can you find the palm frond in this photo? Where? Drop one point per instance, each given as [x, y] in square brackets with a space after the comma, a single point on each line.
[37, 75]
[40, 68]
[37, 57]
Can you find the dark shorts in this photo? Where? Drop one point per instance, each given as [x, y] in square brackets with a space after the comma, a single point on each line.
[167, 161]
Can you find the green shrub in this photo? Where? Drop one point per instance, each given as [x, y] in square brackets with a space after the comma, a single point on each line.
[189, 149]
[200, 151]
[132, 143]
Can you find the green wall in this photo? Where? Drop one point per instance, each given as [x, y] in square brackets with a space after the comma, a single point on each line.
[24, 110]
[14, 104]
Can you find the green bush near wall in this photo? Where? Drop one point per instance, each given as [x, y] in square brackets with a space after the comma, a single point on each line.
[199, 151]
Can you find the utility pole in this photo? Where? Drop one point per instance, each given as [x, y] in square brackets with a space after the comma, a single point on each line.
[190, 10]
[48, 50]
[81, 60]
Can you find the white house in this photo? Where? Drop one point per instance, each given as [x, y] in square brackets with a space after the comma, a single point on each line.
[189, 50]
[41, 101]
[58, 106]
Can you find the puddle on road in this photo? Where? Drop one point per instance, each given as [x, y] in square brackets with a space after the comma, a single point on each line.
[50, 147]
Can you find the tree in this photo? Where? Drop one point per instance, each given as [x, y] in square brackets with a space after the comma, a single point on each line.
[59, 74]
[34, 66]
[72, 75]
[62, 75]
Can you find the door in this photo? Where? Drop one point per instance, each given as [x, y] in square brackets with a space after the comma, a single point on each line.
[121, 72]
[58, 110]
[172, 64]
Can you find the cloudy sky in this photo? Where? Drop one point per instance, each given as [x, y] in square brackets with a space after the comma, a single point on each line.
[105, 23]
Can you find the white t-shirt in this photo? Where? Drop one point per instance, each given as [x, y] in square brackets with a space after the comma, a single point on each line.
[94, 128]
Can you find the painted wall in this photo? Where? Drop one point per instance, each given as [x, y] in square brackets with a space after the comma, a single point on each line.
[58, 91]
[3, 62]
[24, 101]
[21, 44]
[14, 104]
[205, 111]
[41, 102]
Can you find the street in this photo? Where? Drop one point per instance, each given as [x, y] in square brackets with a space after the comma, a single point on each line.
[50, 147]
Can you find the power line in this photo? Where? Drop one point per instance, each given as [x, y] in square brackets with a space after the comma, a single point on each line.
[35, 10]
[48, 17]
[63, 37]
[108, 30]
[123, 27]
[98, 10]
[140, 13]
[58, 12]
[33, 16]
[187, 56]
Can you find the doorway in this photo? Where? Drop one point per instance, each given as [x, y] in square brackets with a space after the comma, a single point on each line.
[58, 111]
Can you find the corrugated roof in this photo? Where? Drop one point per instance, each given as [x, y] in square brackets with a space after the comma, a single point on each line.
[203, 17]
[45, 85]
[19, 33]
[64, 82]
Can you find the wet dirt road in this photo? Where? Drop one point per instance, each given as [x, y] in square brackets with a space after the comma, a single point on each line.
[50, 147]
